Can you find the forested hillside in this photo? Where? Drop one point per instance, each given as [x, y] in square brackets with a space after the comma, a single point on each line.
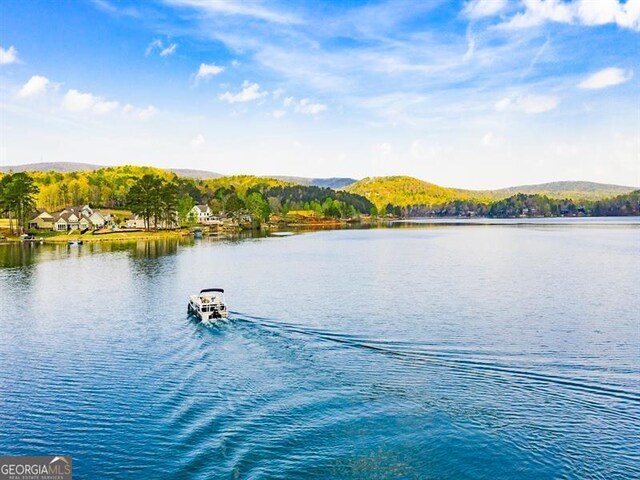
[403, 191]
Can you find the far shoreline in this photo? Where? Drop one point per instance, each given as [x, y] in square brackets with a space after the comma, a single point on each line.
[266, 231]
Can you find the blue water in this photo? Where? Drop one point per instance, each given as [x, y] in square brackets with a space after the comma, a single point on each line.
[428, 351]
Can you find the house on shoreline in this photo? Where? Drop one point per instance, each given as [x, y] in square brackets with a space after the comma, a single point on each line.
[138, 222]
[42, 220]
[72, 218]
[201, 213]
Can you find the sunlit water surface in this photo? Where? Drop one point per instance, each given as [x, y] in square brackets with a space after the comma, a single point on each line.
[441, 351]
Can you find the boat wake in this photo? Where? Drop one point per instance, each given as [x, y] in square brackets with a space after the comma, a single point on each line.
[428, 353]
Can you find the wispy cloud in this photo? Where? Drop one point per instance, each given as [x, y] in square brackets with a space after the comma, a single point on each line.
[483, 8]
[206, 71]
[108, 7]
[253, 9]
[35, 86]
[140, 113]
[164, 51]
[607, 77]
[527, 103]
[305, 106]
[156, 43]
[250, 91]
[168, 51]
[8, 56]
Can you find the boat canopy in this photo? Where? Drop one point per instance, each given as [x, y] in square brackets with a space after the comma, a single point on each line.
[219, 290]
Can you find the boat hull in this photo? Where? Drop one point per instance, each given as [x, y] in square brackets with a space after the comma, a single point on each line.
[207, 317]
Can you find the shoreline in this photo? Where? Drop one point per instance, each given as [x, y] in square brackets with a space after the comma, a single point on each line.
[123, 236]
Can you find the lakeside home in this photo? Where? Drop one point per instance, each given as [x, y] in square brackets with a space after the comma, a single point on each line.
[42, 220]
[138, 222]
[201, 213]
[71, 218]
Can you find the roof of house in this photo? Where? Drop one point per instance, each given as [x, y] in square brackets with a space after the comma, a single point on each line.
[77, 209]
[202, 207]
[64, 215]
[40, 213]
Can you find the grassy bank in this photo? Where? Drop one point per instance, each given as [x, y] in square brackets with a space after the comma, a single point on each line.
[117, 236]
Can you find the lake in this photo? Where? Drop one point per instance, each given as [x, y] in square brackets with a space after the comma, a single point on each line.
[425, 351]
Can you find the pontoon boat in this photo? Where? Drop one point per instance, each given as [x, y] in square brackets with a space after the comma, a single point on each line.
[208, 305]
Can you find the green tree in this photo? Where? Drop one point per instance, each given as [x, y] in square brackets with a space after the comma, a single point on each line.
[18, 198]
[144, 199]
[184, 206]
[168, 203]
[258, 207]
[233, 203]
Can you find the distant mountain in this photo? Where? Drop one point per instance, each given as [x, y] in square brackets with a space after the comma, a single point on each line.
[568, 189]
[333, 182]
[199, 174]
[62, 167]
[65, 167]
[397, 190]
[403, 191]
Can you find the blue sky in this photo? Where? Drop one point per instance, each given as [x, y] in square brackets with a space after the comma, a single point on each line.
[475, 94]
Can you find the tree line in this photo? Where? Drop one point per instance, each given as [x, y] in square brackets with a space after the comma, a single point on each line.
[161, 202]
[17, 199]
[525, 205]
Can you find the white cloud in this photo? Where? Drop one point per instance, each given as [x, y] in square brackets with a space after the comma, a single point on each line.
[75, 101]
[305, 106]
[607, 77]
[277, 114]
[235, 63]
[483, 8]
[102, 107]
[527, 103]
[491, 140]
[36, 85]
[584, 12]
[277, 93]
[250, 91]
[208, 70]
[197, 142]
[8, 56]
[287, 102]
[170, 50]
[78, 102]
[145, 113]
[308, 107]
[503, 104]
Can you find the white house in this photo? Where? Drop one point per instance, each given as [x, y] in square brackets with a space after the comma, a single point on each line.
[138, 222]
[201, 213]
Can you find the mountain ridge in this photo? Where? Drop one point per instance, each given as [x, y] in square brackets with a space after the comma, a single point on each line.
[403, 191]
[400, 190]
